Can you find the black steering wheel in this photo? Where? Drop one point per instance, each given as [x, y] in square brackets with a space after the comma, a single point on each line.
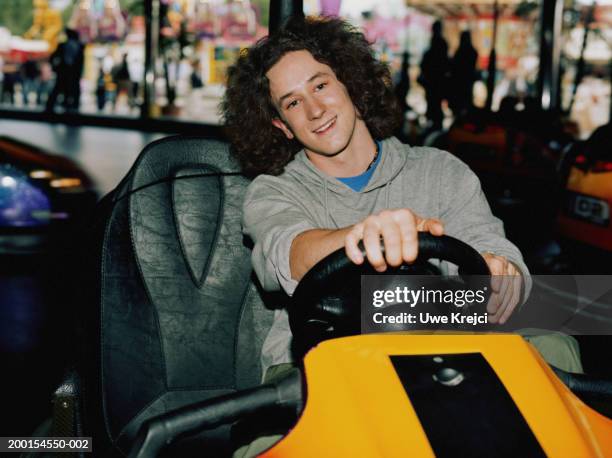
[326, 302]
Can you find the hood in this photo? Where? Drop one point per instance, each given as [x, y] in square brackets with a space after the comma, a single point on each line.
[394, 157]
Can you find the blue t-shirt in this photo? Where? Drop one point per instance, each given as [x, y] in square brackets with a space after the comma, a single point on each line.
[357, 183]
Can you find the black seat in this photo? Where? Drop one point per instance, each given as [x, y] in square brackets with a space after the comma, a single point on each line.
[175, 316]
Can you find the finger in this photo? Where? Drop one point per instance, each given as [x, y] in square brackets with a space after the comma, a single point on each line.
[496, 270]
[514, 296]
[371, 241]
[502, 306]
[500, 266]
[432, 225]
[351, 244]
[406, 221]
[504, 285]
[493, 303]
[392, 240]
[513, 300]
[494, 318]
[507, 300]
[512, 269]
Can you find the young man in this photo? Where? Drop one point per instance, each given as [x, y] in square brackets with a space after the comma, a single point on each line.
[311, 112]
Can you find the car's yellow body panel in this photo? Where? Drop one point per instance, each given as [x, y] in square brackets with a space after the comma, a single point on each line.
[356, 405]
[593, 183]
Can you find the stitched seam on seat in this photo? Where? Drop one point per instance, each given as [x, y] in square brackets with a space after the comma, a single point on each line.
[148, 293]
[102, 288]
[129, 177]
[198, 281]
[153, 145]
[237, 325]
[209, 261]
[221, 219]
[243, 303]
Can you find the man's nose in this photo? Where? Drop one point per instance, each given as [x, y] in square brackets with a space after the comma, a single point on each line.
[314, 108]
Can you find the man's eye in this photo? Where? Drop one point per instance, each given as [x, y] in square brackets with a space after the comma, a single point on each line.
[320, 86]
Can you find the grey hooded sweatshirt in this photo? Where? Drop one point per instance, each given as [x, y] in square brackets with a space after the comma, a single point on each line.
[432, 183]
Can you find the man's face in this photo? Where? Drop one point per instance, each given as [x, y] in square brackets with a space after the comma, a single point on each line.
[314, 106]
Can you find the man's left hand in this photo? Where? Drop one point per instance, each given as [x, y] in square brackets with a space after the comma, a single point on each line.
[506, 282]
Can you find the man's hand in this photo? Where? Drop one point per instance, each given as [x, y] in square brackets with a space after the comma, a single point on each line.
[398, 230]
[506, 282]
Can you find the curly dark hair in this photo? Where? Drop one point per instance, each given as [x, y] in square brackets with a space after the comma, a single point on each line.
[248, 110]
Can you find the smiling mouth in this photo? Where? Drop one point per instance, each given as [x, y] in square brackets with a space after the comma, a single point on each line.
[327, 126]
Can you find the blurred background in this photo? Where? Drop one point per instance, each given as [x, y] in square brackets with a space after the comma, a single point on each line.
[187, 45]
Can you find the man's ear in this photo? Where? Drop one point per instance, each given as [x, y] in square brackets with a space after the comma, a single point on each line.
[358, 114]
[280, 124]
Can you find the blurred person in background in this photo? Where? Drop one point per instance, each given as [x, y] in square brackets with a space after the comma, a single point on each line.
[462, 75]
[30, 80]
[194, 78]
[402, 84]
[10, 73]
[136, 71]
[101, 90]
[433, 77]
[121, 78]
[67, 62]
[45, 83]
[401, 90]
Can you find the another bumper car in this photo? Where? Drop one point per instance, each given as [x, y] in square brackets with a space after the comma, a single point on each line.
[584, 217]
[41, 196]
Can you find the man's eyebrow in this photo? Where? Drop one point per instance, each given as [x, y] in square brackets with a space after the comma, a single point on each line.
[312, 78]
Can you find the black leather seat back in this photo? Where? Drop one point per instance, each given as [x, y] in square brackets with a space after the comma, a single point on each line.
[180, 318]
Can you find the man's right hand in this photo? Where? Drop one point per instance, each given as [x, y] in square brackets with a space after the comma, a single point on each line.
[398, 230]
